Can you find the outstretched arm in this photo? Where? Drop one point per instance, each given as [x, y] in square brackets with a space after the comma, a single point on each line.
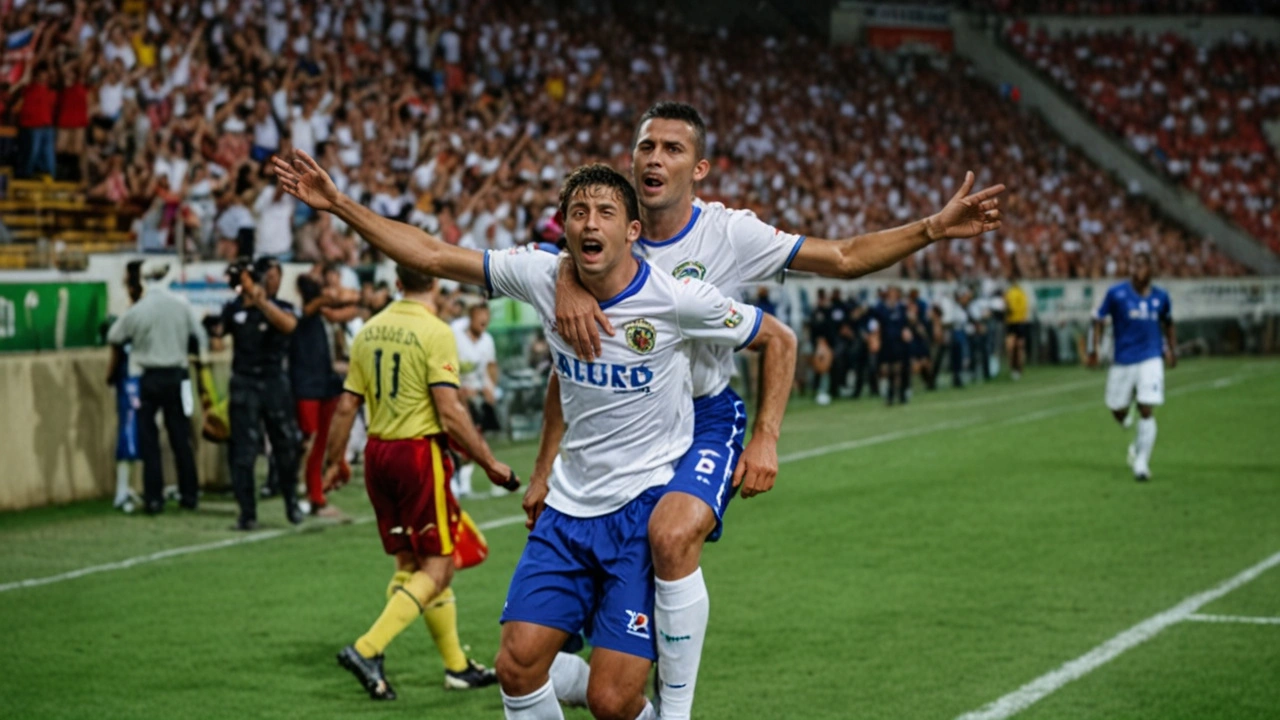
[964, 216]
[758, 467]
[406, 244]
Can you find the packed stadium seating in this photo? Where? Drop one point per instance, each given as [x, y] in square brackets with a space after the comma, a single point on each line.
[1194, 112]
[464, 123]
[1128, 7]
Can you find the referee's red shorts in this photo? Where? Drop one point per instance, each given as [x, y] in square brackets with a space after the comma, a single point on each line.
[408, 484]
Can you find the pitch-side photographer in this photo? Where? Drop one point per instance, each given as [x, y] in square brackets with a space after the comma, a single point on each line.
[260, 325]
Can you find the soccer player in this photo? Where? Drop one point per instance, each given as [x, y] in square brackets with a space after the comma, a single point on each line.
[727, 248]
[479, 374]
[404, 365]
[628, 418]
[1144, 340]
[1017, 326]
[895, 339]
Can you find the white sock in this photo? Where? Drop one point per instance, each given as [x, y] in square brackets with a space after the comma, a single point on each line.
[123, 472]
[1145, 442]
[464, 479]
[648, 713]
[681, 608]
[570, 675]
[538, 705]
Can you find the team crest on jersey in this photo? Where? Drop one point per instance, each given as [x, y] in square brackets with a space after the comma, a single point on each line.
[735, 317]
[690, 269]
[638, 624]
[640, 335]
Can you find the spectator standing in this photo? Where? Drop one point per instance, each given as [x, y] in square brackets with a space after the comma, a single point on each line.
[273, 210]
[313, 374]
[159, 328]
[73, 119]
[478, 373]
[35, 122]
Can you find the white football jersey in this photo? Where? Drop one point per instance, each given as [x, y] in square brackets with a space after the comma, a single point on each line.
[474, 356]
[729, 249]
[629, 414]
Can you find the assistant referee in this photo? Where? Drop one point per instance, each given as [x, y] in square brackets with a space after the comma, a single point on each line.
[160, 327]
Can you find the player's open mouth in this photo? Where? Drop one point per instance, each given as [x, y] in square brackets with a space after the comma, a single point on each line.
[592, 250]
[652, 185]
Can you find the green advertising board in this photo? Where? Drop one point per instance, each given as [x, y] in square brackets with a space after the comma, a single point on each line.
[51, 315]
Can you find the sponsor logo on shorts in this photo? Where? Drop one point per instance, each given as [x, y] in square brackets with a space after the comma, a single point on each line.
[638, 624]
[641, 336]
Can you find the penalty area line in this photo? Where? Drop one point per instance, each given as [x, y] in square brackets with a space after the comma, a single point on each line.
[1247, 620]
[1045, 685]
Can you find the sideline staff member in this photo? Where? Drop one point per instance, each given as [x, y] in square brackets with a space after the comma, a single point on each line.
[159, 327]
[260, 325]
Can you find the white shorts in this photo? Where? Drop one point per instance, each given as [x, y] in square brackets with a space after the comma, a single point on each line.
[1146, 379]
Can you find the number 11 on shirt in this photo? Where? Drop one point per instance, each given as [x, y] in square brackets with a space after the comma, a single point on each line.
[395, 374]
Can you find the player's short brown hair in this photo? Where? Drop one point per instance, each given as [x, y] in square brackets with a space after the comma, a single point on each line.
[599, 175]
[684, 112]
[413, 280]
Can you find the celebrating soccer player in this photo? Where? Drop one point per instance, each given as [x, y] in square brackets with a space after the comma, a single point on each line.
[404, 365]
[628, 418]
[1144, 340]
[727, 248]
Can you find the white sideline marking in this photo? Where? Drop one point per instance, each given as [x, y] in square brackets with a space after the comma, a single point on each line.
[1043, 686]
[513, 519]
[873, 440]
[1234, 619]
[205, 547]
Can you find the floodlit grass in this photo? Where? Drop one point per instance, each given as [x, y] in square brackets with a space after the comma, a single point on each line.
[913, 562]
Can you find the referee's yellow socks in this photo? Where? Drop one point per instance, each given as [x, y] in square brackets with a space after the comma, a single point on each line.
[442, 621]
[404, 606]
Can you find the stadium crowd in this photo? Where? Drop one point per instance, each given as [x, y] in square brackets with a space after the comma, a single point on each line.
[1195, 112]
[1127, 7]
[462, 118]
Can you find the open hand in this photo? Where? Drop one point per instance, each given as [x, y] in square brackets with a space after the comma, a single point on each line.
[306, 180]
[966, 215]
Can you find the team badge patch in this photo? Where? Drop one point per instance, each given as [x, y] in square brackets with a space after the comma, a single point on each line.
[690, 269]
[638, 624]
[640, 336]
[735, 317]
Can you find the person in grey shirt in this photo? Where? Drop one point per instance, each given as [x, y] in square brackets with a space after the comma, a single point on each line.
[160, 327]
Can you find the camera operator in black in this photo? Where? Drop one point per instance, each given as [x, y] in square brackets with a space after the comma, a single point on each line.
[260, 392]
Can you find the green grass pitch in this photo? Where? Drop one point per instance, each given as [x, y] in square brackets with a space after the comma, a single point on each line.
[914, 562]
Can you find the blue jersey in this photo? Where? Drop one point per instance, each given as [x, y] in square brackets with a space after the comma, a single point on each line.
[1135, 321]
[892, 320]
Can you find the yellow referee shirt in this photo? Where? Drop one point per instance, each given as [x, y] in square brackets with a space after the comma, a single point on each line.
[395, 359]
[1015, 302]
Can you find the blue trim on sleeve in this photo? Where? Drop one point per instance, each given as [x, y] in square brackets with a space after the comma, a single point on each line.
[488, 281]
[637, 282]
[794, 250]
[755, 330]
[444, 384]
[549, 247]
[697, 211]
